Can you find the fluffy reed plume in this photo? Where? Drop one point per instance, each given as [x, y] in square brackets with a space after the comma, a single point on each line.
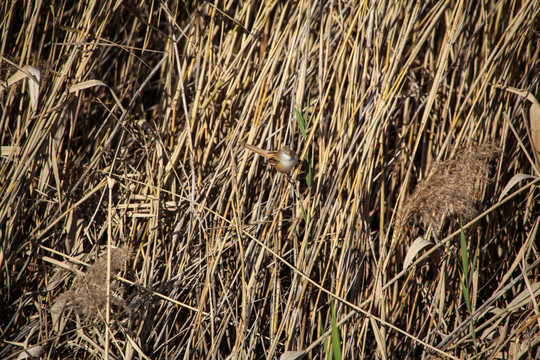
[88, 295]
[450, 192]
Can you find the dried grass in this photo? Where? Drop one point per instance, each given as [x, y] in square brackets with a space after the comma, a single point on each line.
[129, 139]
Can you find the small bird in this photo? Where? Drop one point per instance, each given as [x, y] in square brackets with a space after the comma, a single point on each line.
[283, 160]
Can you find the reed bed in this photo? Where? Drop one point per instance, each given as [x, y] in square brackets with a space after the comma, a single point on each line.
[134, 225]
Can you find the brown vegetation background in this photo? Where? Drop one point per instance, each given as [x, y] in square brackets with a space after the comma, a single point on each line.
[134, 226]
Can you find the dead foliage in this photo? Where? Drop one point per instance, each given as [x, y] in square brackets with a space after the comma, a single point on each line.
[120, 127]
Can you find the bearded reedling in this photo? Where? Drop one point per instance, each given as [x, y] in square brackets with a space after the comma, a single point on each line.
[283, 160]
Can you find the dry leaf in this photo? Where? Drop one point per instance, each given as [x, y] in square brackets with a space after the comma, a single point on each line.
[8, 151]
[513, 181]
[291, 355]
[57, 309]
[92, 83]
[379, 338]
[534, 118]
[524, 297]
[33, 87]
[85, 85]
[33, 352]
[415, 248]
[534, 114]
